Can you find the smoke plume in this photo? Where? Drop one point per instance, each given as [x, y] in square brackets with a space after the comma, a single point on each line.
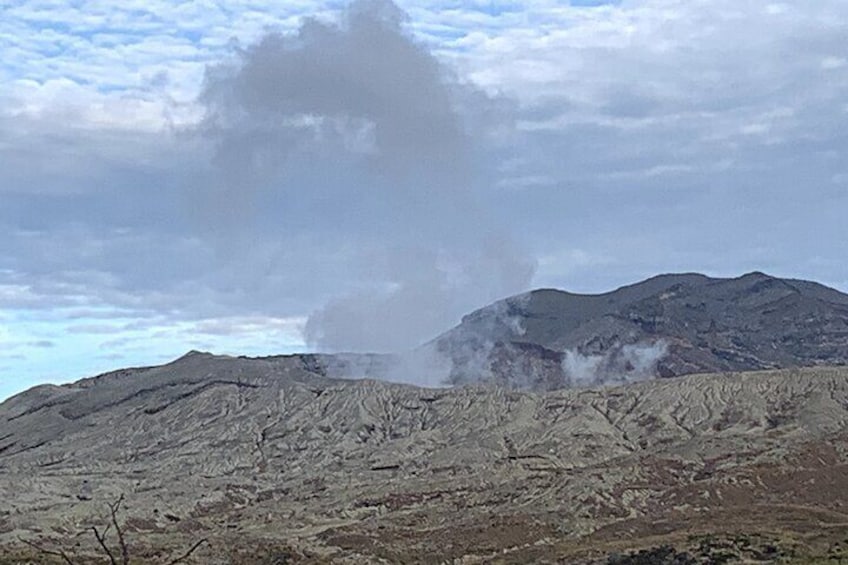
[620, 364]
[357, 123]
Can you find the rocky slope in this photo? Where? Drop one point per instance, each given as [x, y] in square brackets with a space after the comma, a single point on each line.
[666, 326]
[274, 463]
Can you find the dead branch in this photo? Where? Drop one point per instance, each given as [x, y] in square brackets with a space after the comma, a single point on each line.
[186, 555]
[101, 534]
[45, 551]
[101, 539]
[113, 510]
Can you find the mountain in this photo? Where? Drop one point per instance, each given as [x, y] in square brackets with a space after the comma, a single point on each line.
[666, 326]
[276, 460]
[272, 462]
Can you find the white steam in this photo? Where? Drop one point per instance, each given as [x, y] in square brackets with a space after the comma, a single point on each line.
[620, 364]
[469, 353]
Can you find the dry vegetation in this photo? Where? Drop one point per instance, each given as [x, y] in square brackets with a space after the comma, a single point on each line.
[273, 464]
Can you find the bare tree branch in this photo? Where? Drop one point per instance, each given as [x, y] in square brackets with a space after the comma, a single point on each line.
[113, 510]
[101, 539]
[186, 555]
[44, 550]
[101, 534]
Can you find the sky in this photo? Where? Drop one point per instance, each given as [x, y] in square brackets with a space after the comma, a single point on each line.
[261, 178]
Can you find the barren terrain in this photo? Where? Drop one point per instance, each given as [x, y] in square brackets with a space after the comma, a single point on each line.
[272, 462]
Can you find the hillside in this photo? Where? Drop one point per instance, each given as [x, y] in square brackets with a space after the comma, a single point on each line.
[267, 457]
[666, 326]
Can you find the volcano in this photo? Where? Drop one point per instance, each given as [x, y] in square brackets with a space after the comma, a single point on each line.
[666, 326]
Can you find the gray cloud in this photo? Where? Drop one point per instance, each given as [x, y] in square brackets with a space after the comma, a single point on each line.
[650, 137]
[92, 329]
[112, 357]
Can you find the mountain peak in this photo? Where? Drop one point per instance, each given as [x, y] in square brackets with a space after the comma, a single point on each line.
[757, 275]
[196, 355]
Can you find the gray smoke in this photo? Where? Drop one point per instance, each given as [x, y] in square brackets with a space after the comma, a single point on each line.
[359, 124]
[472, 348]
[620, 364]
[465, 357]
[426, 298]
[362, 86]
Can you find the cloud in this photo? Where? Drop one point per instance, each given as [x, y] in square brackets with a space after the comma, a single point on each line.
[650, 135]
[240, 325]
[112, 357]
[94, 329]
[618, 112]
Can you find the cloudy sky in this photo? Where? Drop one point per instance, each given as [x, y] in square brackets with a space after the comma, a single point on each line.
[248, 179]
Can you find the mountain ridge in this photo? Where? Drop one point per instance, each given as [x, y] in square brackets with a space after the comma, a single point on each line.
[267, 454]
[752, 322]
[530, 461]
